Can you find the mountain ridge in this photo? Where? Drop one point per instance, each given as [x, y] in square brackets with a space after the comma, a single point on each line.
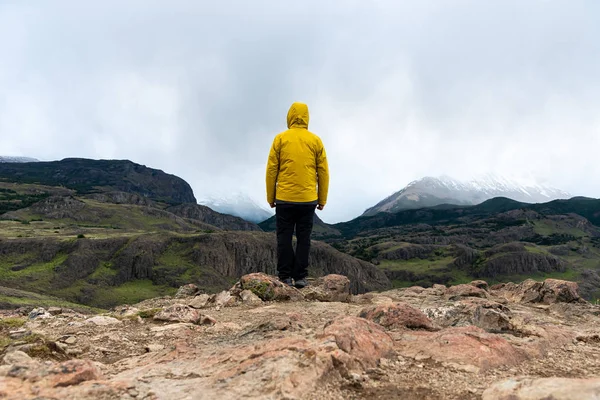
[433, 191]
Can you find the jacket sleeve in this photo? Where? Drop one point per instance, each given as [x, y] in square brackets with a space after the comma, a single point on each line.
[272, 171]
[322, 174]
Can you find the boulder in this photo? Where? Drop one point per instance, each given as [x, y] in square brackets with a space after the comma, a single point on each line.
[222, 299]
[480, 284]
[55, 310]
[17, 358]
[465, 290]
[39, 313]
[250, 298]
[492, 319]
[461, 346]
[548, 292]
[200, 301]
[525, 388]
[187, 290]
[396, 316]
[269, 288]
[329, 288]
[363, 340]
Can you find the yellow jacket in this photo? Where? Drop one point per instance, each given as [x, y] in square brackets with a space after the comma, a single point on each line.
[297, 169]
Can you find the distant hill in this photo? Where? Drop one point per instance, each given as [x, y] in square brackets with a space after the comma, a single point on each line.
[97, 176]
[433, 191]
[586, 207]
[9, 159]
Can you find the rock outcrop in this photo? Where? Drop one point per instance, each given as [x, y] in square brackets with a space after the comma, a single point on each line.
[408, 343]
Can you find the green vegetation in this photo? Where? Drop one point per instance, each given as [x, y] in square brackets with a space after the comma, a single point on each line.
[11, 323]
[130, 293]
[150, 313]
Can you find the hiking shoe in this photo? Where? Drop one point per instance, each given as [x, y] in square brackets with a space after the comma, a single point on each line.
[301, 283]
[287, 281]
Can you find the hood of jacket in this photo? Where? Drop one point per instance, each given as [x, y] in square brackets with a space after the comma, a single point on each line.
[298, 117]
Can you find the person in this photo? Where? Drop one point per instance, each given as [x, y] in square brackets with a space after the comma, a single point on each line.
[297, 183]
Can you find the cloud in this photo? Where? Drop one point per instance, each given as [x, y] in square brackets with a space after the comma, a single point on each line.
[397, 90]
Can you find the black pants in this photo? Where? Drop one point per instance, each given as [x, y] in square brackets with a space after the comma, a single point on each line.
[300, 217]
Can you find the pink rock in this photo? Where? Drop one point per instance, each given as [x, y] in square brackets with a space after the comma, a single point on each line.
[524, 388]
[364, 340]
[73, 372]
[468, 345]
[398, 315]
[329, 288]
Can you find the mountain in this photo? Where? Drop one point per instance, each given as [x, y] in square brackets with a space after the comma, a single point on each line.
[97, 176]
[498, 240]
[239, 205]
[103, 232]
[9, 159]
[433, 191]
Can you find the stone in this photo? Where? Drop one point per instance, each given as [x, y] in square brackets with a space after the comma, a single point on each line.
[199, 301]
[560, 291]
[329, 288]
[491, 319]
[464, 290]
[73, 372]
[126, 311]
[187, 290]
[17, 358]
[550, 291]
[101, 320]
[467, 345]
[363, 340]
[18, 334]
[55, 310]
[183, 314]
[480, 284]
[248, 297]
[179, 313]
[39, 313]
[396, 316]
[222, 299]
[525, 388]
[69, 339]
[269, 288]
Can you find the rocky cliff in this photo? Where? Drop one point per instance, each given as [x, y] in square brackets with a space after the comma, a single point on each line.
[98, 271]
[97, 176]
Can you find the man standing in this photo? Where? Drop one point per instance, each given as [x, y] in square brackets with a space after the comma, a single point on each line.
[297, 182]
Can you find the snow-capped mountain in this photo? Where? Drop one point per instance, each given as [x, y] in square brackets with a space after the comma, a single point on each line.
[9, 159]
[239, 205]
[433, 191]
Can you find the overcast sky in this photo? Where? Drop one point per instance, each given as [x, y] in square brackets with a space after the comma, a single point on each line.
[396, 89]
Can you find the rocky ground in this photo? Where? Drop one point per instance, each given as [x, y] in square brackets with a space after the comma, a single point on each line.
[264, 340]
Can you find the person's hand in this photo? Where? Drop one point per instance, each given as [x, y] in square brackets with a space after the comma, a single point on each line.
[320, 206]
[272, 205]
